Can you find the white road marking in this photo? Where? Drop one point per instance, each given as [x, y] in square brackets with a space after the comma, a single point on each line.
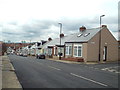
[54, 68]
[89, 79]
[112, 69]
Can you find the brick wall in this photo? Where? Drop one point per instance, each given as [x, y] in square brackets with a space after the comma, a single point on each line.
[76, 59]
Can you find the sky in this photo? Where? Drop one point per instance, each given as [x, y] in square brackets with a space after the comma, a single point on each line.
[35, 20]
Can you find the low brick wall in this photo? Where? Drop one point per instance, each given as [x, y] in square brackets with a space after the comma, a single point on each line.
[76, 59]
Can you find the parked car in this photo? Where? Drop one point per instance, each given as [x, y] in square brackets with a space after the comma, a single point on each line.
[20, 54]
[24, 55]
[8, 53]
[40, 56]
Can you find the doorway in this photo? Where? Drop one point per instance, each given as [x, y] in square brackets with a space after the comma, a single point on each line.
[105, 53]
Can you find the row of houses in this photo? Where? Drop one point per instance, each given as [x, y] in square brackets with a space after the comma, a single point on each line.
[96, 44]
[31, 49]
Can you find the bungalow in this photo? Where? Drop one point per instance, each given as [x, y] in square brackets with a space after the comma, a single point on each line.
[36, 48]
[53, 48]
[24, 51]
[96, 44]
[32, 50]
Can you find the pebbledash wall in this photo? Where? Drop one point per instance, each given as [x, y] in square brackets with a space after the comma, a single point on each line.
[107, 40]
[90, 49]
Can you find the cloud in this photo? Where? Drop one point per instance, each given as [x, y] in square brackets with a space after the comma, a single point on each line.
[37, 30]
[39, 20]
[116, 34]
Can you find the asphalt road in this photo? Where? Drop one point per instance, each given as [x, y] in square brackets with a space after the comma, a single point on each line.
[41, 73]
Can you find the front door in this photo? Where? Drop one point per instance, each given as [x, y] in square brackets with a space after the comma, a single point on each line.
[105, 53]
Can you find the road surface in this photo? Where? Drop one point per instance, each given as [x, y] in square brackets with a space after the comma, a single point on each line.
[42, 73]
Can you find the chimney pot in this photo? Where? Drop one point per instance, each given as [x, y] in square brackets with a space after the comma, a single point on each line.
[61, 35]
[49, 39]
[82, 29]
[104, 25]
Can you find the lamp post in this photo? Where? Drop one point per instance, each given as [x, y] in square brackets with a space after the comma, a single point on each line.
[60, 40]
[100, 38]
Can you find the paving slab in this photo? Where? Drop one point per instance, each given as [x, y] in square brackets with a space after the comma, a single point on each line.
[72, 62]
[0, 72]
[9, 78]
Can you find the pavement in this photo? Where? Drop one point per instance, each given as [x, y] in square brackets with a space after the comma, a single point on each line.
[0, 72]
[9, 78]
[74, 62]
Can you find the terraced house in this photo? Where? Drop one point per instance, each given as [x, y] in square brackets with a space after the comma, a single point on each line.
[96, 44]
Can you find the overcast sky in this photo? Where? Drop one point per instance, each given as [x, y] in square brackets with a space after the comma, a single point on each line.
[37, 20]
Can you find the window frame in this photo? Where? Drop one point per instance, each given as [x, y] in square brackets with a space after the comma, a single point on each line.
[77, 45]
[68, 50]
[49, 51]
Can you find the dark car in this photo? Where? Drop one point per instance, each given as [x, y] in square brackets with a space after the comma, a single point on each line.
[40, 56]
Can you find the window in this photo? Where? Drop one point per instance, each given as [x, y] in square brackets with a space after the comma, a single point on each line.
[68, 50]
[50, 51]
[78, 50]
[85, 35]
[79, 35]
[61, 50]
[75, 50]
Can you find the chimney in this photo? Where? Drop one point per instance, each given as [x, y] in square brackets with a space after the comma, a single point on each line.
[49, 39]
[61, 35]
[104, 26]
[82, 29]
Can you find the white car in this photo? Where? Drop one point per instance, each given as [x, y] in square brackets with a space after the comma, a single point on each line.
[25, 55]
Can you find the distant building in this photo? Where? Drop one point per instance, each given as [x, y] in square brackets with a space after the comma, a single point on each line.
[1, 48]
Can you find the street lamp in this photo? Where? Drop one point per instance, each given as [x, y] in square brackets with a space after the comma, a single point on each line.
[100, 19]
[60, 40]
[100, 37]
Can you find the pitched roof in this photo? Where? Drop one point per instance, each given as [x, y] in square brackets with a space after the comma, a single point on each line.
[84, 36]
[56, 41]
[76, 37]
